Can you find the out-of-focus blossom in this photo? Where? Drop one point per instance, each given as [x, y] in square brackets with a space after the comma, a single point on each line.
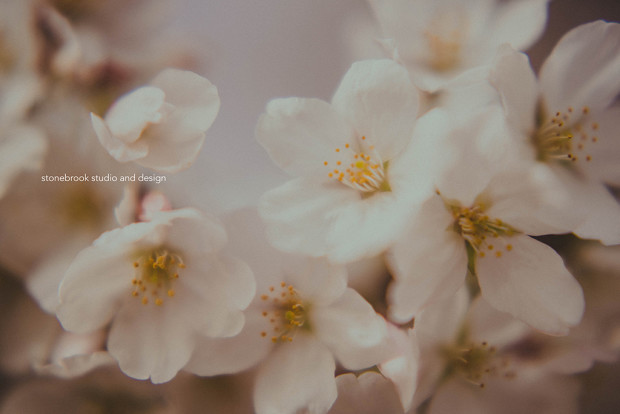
[302, 321]
[22, 148]
[360, 168]
[479, 221]
[566, 123]
[439, 39]
[369, 393]
[474, 359]
[160, 126]
[181, 287]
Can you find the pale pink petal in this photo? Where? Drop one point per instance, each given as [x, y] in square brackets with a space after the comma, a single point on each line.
[370, 393]
[486, 323]
[191, 231]
[297, 376]
[516, 83]
[170, 147]
[352, 330]
[528, 280]
[300, 135]
[578, 75]
[316, 280]
[428, 264]
[378, 99]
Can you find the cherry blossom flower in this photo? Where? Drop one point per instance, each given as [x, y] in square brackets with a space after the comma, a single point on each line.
[566, 122]
[160, 126]
[303, 319]
[475, 359]
[439, 39]
[360, 168]
[479, 222]
[181, 287]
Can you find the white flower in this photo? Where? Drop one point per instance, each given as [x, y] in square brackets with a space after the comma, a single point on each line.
[439, 39]
[159, 284]
[567, 122]
[475, 360]
[358, 176]
[479, 221]
[160, 126]
[303, 320]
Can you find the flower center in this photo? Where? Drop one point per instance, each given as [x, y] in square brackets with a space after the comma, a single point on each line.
[474, 361]
[565, 136]
[363, 170]
[476, 227]
[444, 40]
[286, 313]
[156, 270]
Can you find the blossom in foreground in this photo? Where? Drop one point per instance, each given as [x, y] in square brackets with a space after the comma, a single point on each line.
[159, 284]
[566, 123]
[161, 126]
[439, 39]
[480, 221]
[360, 168]
[303, 319]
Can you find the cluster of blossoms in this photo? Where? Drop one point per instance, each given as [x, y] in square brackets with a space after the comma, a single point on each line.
[405, 267]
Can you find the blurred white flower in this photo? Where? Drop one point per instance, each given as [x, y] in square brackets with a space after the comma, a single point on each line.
[361, 169]
[478, 222]
[161, 126]
[369, 393]
[303, 320]
[439, 39]
[181, 287]
[474, 360]
[567, 122]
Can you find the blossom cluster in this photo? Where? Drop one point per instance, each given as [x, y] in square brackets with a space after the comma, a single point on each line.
[443, 241]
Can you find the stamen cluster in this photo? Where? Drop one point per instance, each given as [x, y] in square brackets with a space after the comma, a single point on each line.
[155, 272]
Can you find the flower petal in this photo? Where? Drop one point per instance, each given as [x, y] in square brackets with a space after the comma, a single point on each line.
[605, 152]
[131, 114]
[300, 135]
[429, 263]
[578, 75]
[370, 393]
[519, 23]
[297, 376]
[351, 330]
[528, 280]
[118, 149]
[379, 100]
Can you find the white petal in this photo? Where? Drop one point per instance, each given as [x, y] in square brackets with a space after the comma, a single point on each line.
[93, 287]
[298, 214]
[605, 152]
[150, 341]
[516, 83]
[217, 356]
[131, 114]
[351, 330]
[486, 323]
[170, 149]
[118, 149]
[297, 376]
[317, 280]
[577, 74]
[300, 135]
[370, 393]
[378, 99]
[191, 231]
[429, 263]
[403, 369]
[194, 96]
[519, 23]
[528, 280]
